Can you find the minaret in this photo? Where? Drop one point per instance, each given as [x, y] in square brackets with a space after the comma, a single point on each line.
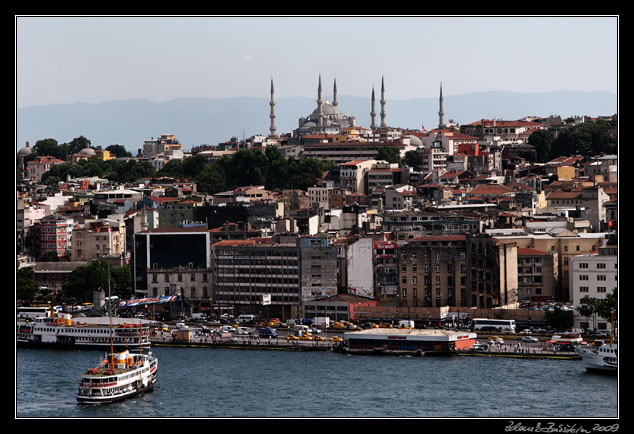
[441, 113]
[272, 115]
[373, 113]
[383, 124]
[334, 98]
[319, 102]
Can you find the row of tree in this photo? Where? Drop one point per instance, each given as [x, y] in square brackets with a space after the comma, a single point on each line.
[79, 288]
[587, 139]
[246, 167]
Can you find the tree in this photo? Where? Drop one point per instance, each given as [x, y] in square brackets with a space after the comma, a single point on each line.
[77, 144]
[83, 281]
[211, 180]
[559, 319]
[413, 160]
[542, 141]
[389, 154]
[26, 285]
[118, 151]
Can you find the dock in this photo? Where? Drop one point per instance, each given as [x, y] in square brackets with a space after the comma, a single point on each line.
[281, 344]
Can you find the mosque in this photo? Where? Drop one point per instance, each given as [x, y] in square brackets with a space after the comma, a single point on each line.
[327, 118]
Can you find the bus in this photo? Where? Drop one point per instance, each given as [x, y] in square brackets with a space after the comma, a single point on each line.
[495, 325]
[33, 312]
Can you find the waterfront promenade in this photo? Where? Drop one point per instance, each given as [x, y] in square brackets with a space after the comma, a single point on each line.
[510, 349]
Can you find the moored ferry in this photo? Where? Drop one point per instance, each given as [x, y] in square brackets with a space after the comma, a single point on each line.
[602, 359]
[118, 376]
[63, 331]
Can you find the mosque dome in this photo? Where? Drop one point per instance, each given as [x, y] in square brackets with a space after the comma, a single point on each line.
[413, 140]
[27, 150]
[87, 151]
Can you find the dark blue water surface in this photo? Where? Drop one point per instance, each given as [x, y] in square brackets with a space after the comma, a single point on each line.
[229, 383]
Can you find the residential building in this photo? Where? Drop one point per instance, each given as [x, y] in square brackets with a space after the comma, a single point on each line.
[39, 166]
[386, 274]
[173, 261]
[99, 239]
[55, 235]
[433, 272]
[353, 177]
[537, 275]
[492, 278]
[595, 276]
[165, 144]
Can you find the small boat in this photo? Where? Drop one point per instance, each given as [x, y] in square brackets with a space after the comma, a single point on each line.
[117, 377]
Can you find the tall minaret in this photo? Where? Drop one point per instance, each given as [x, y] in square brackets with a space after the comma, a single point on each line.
[334, 89]
[441, 112]
[319, 107]
[373, 113]
[383, 124]
[272, 115]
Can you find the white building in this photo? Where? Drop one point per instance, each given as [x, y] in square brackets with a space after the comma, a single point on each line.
[595, 276]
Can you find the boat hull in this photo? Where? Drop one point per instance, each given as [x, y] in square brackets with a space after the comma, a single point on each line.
[110, 399]
[596, 363]
[71, 346]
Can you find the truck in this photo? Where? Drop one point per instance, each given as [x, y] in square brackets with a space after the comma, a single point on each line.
[321, 321]
[267, 332]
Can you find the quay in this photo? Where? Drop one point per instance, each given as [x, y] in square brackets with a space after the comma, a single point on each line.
[537, 351]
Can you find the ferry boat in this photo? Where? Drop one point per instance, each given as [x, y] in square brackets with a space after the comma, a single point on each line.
[63, 331]
[118, 376]
[602, 359]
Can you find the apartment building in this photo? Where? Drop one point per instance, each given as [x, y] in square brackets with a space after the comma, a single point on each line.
[172, 261]
[537, 275]
[55, 235]
[595, 276]
[99, 239]
[40, 165]
[492, 278]
[433, 272]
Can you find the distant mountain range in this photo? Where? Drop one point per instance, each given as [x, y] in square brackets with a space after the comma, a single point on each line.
[197, 121]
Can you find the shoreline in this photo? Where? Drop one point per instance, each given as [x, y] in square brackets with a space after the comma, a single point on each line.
[325, 346]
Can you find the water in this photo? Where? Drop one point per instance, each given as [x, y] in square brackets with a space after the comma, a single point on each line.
[226, 383]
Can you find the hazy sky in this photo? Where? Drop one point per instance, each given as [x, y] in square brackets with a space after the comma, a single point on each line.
[98, 59]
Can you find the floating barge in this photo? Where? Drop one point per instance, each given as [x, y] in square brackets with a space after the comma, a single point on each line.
[408, 341]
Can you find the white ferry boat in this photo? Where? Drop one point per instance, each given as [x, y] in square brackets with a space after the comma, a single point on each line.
[602, 359]
[63, 331]
[118, 376]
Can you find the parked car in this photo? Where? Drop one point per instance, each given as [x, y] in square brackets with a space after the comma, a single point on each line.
[479, 347]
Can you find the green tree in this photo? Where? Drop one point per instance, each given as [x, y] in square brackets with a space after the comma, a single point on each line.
[26, 286]
[211, 180]
[389, 154]
[83, 281]
[77, 144]
[413, 160]
[542, 141]
[559, 319]
[118, 151]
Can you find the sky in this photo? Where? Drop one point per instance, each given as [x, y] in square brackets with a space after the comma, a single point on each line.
[68, 59]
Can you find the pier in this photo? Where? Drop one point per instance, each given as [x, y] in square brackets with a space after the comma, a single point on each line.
[281, 344]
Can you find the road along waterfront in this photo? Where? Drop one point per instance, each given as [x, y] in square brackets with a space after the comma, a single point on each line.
[220, 382]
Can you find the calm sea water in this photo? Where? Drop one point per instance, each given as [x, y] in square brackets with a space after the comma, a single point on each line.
[225, 383]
